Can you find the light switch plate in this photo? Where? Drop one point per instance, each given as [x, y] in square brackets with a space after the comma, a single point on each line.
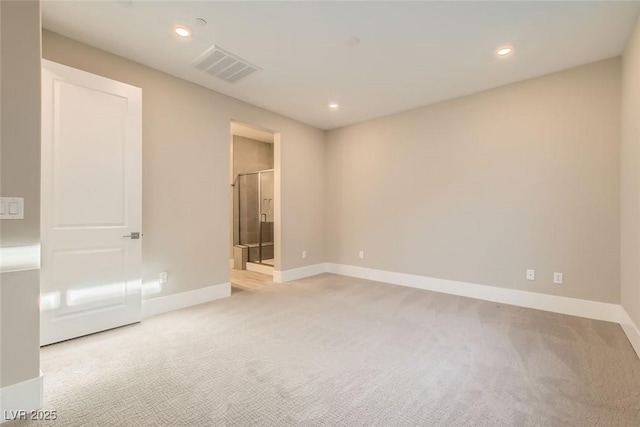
[11, 208]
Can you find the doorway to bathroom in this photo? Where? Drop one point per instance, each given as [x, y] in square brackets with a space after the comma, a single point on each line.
[253, 206]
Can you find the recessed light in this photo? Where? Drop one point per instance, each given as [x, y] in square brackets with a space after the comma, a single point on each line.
[504, 51]
[201, 21]
[182, 31]
[334, 106]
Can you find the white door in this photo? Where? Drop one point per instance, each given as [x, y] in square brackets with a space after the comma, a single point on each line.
[91, 203]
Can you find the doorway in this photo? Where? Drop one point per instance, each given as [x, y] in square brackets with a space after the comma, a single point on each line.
[253, 206]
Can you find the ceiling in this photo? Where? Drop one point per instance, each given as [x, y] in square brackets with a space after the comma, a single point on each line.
[409, 53]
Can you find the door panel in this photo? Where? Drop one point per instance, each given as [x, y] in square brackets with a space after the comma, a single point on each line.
[91, 200]
[90, 278]
[89, 157]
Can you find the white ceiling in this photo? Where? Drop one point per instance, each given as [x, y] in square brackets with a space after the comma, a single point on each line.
[410, 54]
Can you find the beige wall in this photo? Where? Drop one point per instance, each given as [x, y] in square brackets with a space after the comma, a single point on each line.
[20, 327]
[480, 188]
[250, 155]
[20, 174]
[630, 178]
[186, 171]
[20, 177]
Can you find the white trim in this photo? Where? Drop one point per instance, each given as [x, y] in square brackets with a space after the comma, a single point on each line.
[259, 268]
[557, 304]
[164, 304]
[19, 258]
[25, 396]
[630, 329]
[299, 273]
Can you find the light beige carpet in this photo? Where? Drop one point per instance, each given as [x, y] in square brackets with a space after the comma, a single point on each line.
[338, 351]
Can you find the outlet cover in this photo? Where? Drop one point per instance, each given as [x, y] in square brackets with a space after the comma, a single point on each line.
[531, 275]
[558, 278]
[304, 254]
[164, 276]
[361, 254]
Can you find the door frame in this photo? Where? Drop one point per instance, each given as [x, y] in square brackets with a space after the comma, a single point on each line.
[277, 193]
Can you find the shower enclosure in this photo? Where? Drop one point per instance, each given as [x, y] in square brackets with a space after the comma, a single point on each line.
[253, 216]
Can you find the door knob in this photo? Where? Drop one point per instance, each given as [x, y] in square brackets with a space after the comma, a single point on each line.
[132, 236]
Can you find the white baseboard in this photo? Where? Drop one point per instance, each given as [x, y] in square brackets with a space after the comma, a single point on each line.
[154, 306]
[299, 273]
[557, 304]
[630, 329]
[17, 398]
[260, 268]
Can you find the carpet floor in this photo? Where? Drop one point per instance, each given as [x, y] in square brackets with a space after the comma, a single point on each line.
[338, 351]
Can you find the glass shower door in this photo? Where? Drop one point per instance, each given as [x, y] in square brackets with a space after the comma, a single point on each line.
[254, 215]
[248, 211]
[266, 226]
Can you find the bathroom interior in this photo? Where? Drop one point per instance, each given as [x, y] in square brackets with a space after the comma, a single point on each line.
[252, 240]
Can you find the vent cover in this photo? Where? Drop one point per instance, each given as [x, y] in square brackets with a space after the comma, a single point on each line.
[224, 65]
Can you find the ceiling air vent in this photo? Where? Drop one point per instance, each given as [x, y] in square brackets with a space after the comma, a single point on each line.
[225, 65]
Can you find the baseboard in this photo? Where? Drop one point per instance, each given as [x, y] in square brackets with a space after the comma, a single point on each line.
[630, 329]
[259, 268]
[155, 306]
[18, 398]
[557, 304]
[299, 273]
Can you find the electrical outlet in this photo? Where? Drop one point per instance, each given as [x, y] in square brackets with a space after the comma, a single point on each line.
[361, 254]
[558, 278]
[531, 275]
[164, 276]
[304, 254]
